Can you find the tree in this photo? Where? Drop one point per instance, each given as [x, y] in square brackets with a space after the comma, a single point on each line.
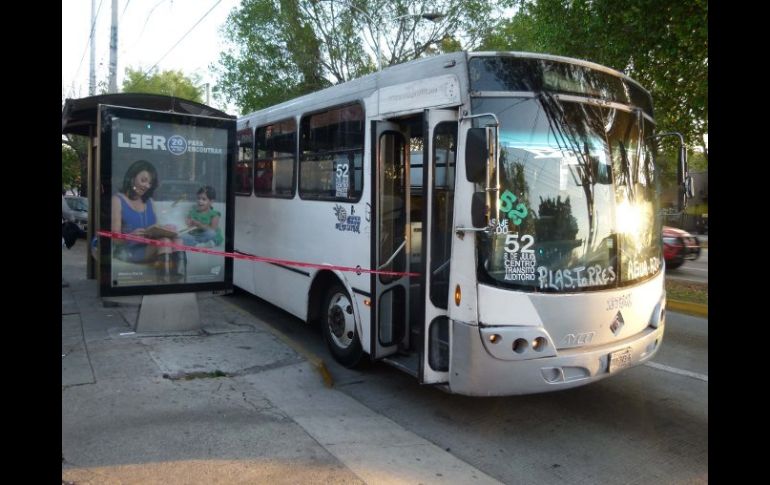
[75, 151]
[555, 221]
[70, 167]
[280, 49]
[661, 44]
[169, 83]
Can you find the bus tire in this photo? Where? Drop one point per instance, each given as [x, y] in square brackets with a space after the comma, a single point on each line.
[338, 324]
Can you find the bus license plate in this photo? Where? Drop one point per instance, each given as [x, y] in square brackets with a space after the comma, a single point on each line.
[620, 360]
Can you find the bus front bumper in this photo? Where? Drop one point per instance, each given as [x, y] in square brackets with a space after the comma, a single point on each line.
[475, 372]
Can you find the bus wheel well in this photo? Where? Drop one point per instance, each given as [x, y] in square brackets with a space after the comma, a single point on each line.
[322, 282]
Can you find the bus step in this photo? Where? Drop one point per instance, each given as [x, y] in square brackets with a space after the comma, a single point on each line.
[407, 363]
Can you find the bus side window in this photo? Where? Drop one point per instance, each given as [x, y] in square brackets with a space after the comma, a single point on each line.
[275, 169]
[331, 160]
[263, 177]
[245, 164]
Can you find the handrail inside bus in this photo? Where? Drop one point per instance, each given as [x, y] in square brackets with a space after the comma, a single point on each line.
[390, 260]
[440, 268]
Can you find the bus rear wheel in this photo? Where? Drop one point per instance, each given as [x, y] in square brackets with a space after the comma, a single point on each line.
[339, 327]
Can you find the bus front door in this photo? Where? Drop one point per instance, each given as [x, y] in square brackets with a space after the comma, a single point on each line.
[439, 154]
[391, 241]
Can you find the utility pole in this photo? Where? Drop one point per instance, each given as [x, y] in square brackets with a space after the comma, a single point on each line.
[114, 49]
[92, 70]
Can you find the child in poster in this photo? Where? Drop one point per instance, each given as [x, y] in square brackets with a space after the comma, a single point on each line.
[204, 220]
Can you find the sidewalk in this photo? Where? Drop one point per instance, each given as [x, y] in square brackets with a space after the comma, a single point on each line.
[231, 403]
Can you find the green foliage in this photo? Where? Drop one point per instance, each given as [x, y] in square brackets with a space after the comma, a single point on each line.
[661, 44]
[697, 210]
[449, 44]
[697, 161]
[280, 49]
[169, 83]
[79, 144]
[272, 57]
[70, 168]
[555, 221]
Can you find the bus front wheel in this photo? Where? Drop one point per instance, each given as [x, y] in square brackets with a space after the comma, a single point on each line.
[339, 327]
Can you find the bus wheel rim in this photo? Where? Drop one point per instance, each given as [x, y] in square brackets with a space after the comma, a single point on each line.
[340, 320]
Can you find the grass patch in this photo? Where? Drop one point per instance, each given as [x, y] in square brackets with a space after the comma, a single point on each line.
[687, 291]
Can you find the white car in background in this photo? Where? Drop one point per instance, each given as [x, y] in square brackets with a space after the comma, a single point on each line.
[79, 206]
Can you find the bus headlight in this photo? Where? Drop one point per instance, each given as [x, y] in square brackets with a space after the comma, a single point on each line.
[539, 344]
[517, 342]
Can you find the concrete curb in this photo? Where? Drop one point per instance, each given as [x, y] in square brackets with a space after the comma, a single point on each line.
[695, 309]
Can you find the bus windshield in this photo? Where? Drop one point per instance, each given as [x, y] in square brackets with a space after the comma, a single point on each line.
[577, 207]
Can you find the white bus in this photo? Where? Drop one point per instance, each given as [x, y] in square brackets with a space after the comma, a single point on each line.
[502, 209]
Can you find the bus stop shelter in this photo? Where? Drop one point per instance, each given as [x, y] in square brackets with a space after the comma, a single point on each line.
[79, 117]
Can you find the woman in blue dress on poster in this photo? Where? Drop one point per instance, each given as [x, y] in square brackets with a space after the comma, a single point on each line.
[132, 213]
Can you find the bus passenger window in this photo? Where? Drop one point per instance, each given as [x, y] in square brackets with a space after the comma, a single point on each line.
[263, 177]
[276, 148]
[245, 164]
[332, 149]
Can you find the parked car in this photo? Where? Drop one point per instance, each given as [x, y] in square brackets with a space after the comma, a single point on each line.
[679, 246]
[79, 206]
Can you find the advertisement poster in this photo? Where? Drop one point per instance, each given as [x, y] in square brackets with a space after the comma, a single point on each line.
[168, 181]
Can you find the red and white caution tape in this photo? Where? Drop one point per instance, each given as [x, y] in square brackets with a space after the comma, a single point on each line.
[286, 262]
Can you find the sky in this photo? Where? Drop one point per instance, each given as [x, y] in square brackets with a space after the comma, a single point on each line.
[147, 33]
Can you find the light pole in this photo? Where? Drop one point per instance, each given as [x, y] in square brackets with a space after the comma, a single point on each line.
[432, 16]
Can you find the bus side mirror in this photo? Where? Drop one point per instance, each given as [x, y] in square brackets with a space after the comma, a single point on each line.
[476, 155]
[683, 178]
[689, 187]
[681, 164]
[478, 209]
[684, 182]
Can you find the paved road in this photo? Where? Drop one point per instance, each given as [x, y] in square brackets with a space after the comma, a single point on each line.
[696, 271]
[139, 407]
[647, 425]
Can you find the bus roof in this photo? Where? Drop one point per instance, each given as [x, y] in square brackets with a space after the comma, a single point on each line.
[359, 88]
[428, 67]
